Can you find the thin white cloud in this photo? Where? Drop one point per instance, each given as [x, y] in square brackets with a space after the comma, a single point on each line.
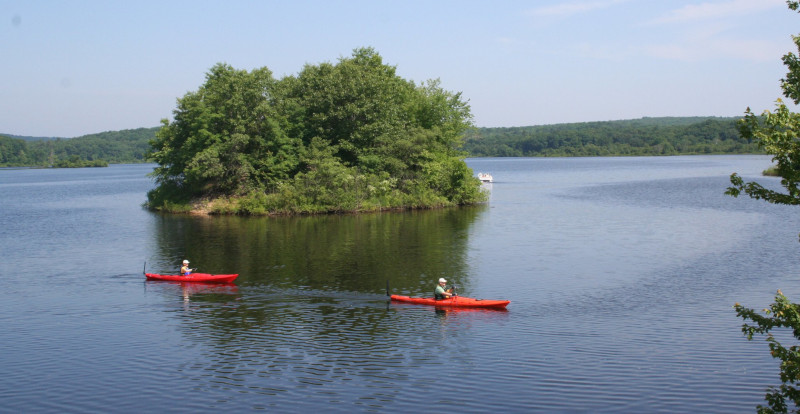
[709, 30]
[504, 40]
[569, 9]
[716, 48]
[707, 42]
[717, 10]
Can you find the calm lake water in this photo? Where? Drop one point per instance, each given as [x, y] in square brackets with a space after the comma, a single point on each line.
[622, 274]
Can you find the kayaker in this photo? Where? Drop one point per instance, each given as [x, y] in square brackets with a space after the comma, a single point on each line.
[185, 271]
[441, 291]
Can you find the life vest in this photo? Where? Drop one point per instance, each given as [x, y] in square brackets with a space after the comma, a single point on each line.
[439, 296]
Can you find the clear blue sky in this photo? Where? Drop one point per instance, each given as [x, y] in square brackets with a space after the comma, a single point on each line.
[77, 67]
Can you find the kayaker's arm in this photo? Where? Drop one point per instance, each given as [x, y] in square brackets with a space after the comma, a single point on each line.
[441, 293]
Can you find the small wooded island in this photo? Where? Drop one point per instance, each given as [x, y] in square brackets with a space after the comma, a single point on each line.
[346, 137]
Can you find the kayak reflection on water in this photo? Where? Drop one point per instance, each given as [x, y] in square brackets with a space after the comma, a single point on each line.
[444, 311]
[189, 289]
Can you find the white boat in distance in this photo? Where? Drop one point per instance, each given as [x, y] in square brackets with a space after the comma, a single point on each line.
[485, 177]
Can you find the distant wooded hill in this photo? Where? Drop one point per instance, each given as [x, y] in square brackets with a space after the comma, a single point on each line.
[645, 136]
[26, 138]
[117, 147]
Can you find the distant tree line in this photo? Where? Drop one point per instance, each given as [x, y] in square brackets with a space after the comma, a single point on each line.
[645, 136]
[117, 147]
[75, 161]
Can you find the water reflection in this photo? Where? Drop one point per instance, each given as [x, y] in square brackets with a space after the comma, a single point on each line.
[189, 289]
[621, 272]
[194, 292]
[277, 344]
[355, 253]
[310, 312]
[444, 311]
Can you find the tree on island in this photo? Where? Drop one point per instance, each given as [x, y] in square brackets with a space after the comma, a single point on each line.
[778, 133]
[350, 136]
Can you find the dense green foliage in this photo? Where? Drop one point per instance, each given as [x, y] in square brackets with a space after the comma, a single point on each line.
[75, 161]
[781, 314]
[646, 136]
[14, 152]
[778, 133]
[126, 146]
[28, 138]
[350, 136]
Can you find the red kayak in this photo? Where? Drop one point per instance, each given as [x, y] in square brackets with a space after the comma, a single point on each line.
[456, 301]
[194, 277]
